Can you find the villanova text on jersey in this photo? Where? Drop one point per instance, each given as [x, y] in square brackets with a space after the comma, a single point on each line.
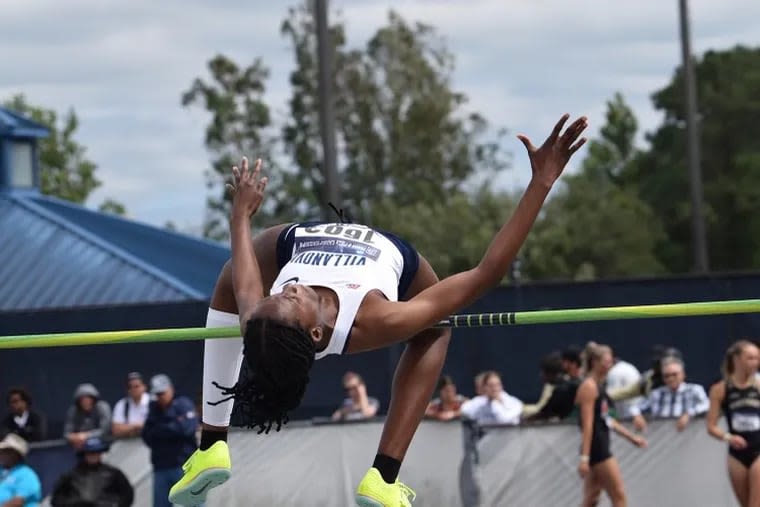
[324, 251]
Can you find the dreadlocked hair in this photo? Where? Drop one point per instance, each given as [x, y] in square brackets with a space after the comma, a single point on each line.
[279, 357]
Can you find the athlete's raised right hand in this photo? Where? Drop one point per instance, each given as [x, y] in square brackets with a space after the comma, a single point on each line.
[247, 189]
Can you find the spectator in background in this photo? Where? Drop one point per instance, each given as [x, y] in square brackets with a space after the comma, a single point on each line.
[448, 404]
[676, 399]
[169, 432]
[130, 412]
[622, 376]
[89, 416]
[557, 399]
[92, 482]
[19, 484]
[495, 406]
[654, 375]
[651, 379]
[571, 363]
[357, 404]
[21, 419]
[478, 383]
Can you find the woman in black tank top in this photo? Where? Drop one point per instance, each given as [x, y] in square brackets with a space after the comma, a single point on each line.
[597, 466]
[738, 398]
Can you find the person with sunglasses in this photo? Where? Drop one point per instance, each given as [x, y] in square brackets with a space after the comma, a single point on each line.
[357, 405]
[676, 399]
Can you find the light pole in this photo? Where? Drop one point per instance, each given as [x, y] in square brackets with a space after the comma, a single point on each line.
[326, 109]
[698, 232]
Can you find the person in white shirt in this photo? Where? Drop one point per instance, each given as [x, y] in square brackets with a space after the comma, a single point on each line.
[495, 406]
[130, 412]
[675, 400]
[621, 376]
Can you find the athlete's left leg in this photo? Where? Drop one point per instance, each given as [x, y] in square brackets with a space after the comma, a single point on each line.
[416, 375]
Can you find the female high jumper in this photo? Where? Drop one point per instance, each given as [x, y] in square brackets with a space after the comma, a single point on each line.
[302, 291]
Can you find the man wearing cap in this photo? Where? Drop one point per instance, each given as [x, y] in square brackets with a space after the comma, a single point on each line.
[169, 432]
[19, 484]
[89, 416]
[130, 412]
[93, 482]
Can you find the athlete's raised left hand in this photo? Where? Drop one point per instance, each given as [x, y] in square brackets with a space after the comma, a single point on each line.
[247, 189]
[548, 161]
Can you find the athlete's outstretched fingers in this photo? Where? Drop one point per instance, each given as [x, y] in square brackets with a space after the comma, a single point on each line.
[558, 127]
[574, 130]
[577, 145]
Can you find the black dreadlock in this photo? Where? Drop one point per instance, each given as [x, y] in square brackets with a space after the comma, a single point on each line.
[279, 357]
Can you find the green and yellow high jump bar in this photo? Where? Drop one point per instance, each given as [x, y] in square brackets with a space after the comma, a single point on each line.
[455, 321]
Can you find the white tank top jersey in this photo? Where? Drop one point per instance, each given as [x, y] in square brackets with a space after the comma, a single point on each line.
[350, 259]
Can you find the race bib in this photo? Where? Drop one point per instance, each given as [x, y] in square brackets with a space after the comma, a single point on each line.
[745, 422]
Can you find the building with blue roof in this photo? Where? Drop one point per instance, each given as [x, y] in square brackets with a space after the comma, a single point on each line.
[56, 254]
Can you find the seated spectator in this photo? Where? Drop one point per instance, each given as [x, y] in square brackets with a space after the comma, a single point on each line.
[169, 432]
[650, 379]
[571, 363]
[674, 400]
[448, 404]
[357, 404]
[130, 412]
[495, 406]
[622, 376]
[92, 482]
[19, 484]
[89, 416]
[21, 419]
[557, 399]
[478, 383]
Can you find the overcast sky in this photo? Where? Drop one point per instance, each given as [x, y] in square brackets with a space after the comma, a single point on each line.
[123, 65]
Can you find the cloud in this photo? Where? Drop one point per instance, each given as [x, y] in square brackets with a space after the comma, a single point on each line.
[123, 66]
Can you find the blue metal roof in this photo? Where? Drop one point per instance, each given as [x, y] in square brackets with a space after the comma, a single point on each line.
[13, 124]
[57, 254]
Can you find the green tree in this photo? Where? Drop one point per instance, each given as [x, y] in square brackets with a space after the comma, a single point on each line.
[408, 148]
[403, 132]
[596, 226]
[234, 96]
[65, 170]
[453, 234]
[729, 108]
[112, 207]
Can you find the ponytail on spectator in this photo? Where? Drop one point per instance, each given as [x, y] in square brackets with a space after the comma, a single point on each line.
[592, 353]
[734, 351]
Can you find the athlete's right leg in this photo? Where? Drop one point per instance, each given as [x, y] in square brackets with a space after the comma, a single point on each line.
[591, 490]
[210, 465]
[609, 476]
[753, 480]
[739, 475]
